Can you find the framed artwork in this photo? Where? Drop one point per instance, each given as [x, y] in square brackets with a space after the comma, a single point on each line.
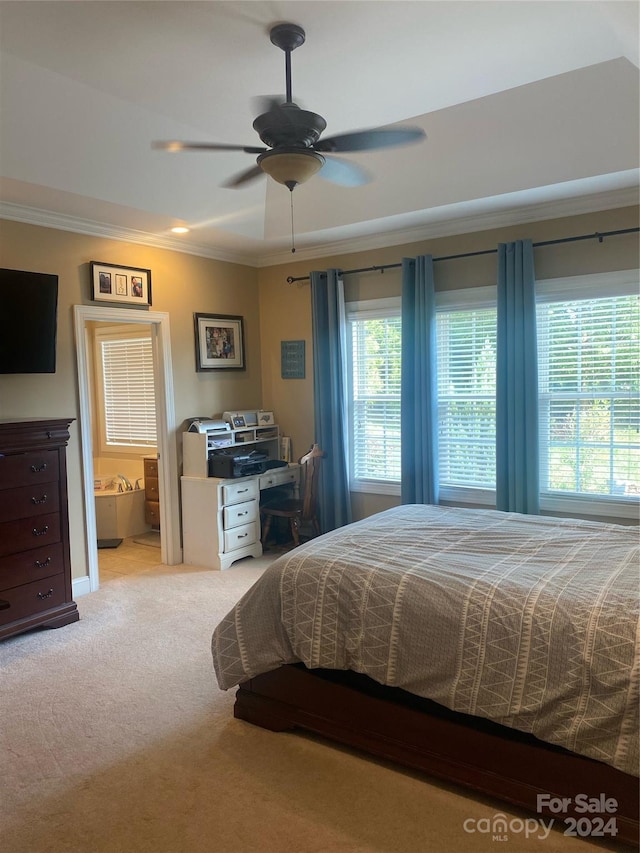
[292, 359]
[219, 342]
[111, 283]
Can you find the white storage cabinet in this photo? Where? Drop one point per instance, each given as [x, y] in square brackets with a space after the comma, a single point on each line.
[221, 517]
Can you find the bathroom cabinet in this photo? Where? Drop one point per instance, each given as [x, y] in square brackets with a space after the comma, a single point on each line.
[152, 492]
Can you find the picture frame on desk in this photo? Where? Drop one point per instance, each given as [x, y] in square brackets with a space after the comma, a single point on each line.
[219, 342]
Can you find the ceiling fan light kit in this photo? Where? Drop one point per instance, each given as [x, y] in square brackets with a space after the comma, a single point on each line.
[291, 166]
[293, 136]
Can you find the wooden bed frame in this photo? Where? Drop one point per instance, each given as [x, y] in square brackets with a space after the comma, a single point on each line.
[393, 724]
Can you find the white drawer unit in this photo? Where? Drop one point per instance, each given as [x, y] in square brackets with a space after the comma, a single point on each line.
[236, 491]
[279, 477]
[221, 518]
[241, 537]
[239, 514]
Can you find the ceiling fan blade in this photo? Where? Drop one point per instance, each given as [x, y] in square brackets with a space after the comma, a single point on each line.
[368, 140]
[243, 178]
[176, 145]
[344, 173]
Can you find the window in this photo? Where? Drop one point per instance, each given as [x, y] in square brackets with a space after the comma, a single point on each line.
[466, 353]
[126, 391]
[589, 382]
[589, 394]
[374, 340]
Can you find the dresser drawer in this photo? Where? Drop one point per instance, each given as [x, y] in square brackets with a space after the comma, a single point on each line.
[237, 514]
[28, 566]
[239, 537]
[27, 501]
[151, 490]
[151, 468]
[243, 490]
[31, 598]
[278, 477]
[29, 533]
[152, 513]
[26, 469]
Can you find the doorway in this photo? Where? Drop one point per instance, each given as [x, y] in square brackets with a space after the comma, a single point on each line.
[158, 322]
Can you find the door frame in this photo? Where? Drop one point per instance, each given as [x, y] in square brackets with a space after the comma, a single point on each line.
[170, 550]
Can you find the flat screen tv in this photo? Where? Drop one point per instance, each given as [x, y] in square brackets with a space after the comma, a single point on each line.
[28, 321]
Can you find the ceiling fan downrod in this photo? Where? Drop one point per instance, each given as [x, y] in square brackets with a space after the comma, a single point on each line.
[287, 37]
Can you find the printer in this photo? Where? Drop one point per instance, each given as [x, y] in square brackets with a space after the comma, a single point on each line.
[226, 465]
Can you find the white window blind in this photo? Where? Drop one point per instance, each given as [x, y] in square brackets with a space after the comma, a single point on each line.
[588, 355]
[128, 391]
[375, 355]
[589, 382]
[466, 353]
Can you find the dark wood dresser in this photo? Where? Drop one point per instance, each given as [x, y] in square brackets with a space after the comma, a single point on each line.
[152, 492]
[35, 564]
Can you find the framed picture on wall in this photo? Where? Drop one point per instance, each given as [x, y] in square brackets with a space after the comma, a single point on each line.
[111, 283]
[219, 342]
[292, 359]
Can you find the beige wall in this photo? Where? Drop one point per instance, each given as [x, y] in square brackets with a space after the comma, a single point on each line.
[285, 309]
[181, 285]
[273, 311]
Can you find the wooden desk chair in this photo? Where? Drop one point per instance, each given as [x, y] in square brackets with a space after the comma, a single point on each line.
[299, 511]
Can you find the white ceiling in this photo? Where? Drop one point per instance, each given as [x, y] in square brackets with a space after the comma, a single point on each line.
[530, 108]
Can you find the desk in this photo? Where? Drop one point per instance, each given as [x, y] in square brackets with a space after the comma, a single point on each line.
[221, 518]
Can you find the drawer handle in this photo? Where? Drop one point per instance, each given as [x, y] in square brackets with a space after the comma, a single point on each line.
[49, 434]
[44, 530]
[41, 565]
[43, 595]
[38, 468]
[242, 491]
[4, 604]
[41, 500]
[243, 535]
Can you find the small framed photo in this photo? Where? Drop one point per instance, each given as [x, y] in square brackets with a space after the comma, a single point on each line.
[265, 418]
[219, 342]
[111, 283]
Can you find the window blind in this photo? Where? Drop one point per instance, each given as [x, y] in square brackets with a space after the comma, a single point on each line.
[376, 357]
[129, 391]
[589, 381]
[466, 353]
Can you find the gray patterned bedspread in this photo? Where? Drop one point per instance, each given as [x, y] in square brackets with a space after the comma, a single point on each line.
[531, 622]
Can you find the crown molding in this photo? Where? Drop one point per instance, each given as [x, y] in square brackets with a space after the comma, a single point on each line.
[448, 227]
[431, 228]
[64, 222]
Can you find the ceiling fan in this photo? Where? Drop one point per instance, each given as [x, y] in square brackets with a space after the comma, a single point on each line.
[295, 149]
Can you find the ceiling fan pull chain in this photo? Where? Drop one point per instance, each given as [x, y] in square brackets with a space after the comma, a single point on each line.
[293, 239]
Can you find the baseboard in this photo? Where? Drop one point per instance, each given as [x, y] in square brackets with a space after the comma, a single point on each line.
[80, 586]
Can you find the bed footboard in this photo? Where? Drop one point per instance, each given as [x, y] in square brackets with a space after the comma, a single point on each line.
[392, 724]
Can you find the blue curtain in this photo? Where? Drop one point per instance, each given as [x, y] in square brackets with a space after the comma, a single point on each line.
[419, 405]
[330, 404]
[517, 477]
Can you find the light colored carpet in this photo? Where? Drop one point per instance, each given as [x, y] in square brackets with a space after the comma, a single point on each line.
[114, 738]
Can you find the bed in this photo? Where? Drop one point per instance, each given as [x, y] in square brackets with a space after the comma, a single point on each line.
[494, 650]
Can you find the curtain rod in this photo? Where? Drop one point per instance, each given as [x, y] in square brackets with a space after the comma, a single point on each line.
[599, 235]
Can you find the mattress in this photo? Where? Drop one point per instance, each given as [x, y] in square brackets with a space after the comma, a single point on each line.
[528, 621]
